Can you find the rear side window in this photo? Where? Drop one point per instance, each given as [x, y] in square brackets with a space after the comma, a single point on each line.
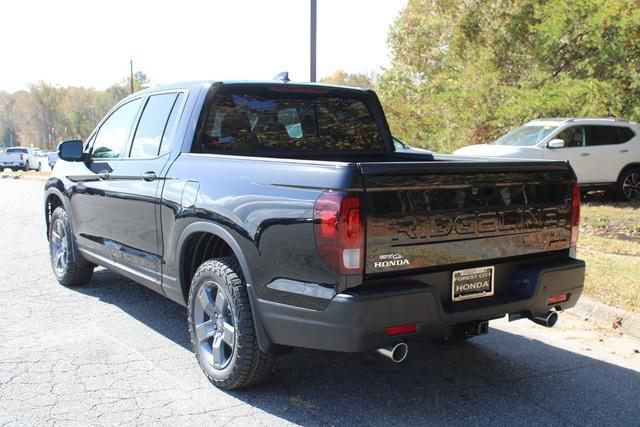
[603, 135]
[264, 120]
[625, 134]
[114, 132]
[152, 125]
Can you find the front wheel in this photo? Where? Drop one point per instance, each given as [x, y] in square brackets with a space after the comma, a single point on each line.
[69, 267]
[629, 185]
[26, 166]
[39, 169]
[221, 327]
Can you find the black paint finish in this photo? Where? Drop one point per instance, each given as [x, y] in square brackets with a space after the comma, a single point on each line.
[137, 216]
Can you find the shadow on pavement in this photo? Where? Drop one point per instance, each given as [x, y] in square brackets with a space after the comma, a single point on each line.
[500, 378]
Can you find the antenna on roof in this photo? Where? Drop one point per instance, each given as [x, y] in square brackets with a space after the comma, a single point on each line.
[282, 77]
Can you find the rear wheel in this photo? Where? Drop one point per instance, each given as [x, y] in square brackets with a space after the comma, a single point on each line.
[629, 185]
[69, 267]
[221, 327]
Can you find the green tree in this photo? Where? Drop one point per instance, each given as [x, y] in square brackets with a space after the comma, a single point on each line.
[122, 89]
[44, 115]
[342, 78]
[8, 136]
[466, 72]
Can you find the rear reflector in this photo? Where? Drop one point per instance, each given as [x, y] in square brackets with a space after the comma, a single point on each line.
[575, 213]
[556, 299]
[339, 232]
[400, 329]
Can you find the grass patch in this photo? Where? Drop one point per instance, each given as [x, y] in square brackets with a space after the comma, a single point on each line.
[613, 279]
[610, 245]
[611, 219]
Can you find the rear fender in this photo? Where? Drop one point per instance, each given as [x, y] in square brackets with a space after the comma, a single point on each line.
[263, 339]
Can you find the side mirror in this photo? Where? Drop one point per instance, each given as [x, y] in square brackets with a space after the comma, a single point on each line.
[71, 150]
[556, 143]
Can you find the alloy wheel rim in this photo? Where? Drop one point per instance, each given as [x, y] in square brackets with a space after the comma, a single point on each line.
[214, 325]
[631, 186]
[59, 247]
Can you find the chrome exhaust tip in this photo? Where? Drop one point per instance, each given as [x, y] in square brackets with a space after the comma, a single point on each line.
[396, 352]
[548, 321]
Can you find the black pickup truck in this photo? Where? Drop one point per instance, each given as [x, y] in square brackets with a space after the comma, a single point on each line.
[282, 216]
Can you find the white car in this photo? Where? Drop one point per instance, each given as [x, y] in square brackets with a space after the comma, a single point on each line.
[20, 158]
[605, 153]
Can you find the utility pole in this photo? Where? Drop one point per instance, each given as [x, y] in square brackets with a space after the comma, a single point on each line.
[314, 16]
[131, 74]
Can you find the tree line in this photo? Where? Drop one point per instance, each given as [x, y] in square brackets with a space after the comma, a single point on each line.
[44, 114]
[466, 72]
[462, 72]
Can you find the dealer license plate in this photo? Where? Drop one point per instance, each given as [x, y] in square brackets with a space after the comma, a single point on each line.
[472, 283]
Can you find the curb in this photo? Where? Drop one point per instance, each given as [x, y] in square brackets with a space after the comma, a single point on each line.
[606, 316]
[25, 177]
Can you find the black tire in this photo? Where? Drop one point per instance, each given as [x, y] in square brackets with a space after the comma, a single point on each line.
[628, 185]
[244, 363]
[26, 167]
[39, 167]
[71, 269]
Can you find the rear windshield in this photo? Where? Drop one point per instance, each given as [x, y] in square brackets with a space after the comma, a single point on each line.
[250, 120]
[16, 150]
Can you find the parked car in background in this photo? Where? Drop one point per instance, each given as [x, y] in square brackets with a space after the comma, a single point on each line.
[605, 153]
[20, 158]
[52, 158]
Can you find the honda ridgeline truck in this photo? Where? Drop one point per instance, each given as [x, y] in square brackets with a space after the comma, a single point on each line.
[281, 216]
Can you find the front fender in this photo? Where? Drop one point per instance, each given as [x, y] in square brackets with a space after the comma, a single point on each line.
[53, 187]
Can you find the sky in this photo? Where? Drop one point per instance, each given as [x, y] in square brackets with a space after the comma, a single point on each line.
[89, 43]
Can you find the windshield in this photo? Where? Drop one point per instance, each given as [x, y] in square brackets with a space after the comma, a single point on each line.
[526, 136]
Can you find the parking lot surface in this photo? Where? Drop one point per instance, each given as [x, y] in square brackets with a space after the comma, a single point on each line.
[116, 353]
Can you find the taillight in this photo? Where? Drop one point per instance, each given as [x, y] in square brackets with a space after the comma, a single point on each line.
[575, 213]
[339, 232]
[21, 156]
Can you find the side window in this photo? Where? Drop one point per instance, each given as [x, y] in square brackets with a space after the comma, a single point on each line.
[172, 123]
[152, 125]
[625, 134]
[114, 132]
[603, 135]
[573, 136]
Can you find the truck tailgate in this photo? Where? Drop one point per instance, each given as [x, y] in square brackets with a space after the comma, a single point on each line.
[425, 214]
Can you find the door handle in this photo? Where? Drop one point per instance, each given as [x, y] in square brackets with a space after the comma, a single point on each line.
[103, 175]
[585, 154]
[624, 151]
[149, 176]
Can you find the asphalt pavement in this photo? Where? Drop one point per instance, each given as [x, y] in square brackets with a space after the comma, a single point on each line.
[114, 352]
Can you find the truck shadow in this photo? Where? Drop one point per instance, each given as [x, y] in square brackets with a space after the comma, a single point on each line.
[501, 378]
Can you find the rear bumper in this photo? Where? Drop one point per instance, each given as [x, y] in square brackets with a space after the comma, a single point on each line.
[356, 321]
